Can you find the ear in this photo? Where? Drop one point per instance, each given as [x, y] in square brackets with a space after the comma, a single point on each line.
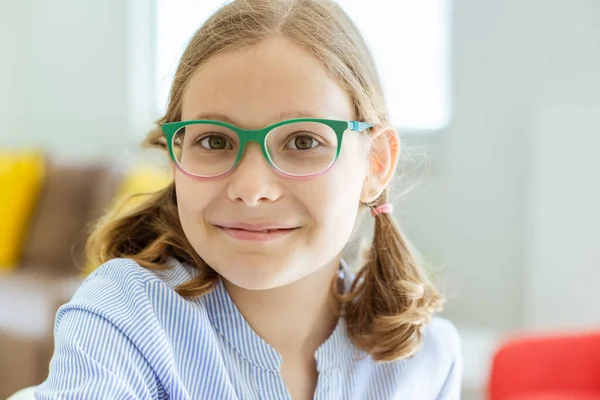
[382, 162]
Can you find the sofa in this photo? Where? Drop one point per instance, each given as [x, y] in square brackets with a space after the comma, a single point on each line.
[47, 208]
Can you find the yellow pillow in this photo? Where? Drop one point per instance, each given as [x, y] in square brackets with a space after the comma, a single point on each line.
[140, 180]
[21, 180]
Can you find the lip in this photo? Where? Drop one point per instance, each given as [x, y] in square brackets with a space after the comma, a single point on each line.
[256, 232]
[264, 226]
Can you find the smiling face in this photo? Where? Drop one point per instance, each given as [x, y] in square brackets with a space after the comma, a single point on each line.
[253, 88]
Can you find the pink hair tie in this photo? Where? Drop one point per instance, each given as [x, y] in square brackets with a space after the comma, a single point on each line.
[385, 208]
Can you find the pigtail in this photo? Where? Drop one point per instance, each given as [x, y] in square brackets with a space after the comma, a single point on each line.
[391, 300]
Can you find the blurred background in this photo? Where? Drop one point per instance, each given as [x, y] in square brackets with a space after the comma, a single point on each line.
[498, 105]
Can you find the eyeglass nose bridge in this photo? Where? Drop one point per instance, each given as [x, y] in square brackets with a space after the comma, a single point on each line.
[258, 136]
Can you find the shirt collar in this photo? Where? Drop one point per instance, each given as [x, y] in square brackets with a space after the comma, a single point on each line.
[233, 327]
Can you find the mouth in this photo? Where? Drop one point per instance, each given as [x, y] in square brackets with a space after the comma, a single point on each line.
[261, 231]
[255, 232]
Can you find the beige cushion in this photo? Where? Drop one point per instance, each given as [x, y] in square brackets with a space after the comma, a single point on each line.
[75, 195]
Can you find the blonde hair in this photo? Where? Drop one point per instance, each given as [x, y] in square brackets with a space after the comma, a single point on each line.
[391, 299]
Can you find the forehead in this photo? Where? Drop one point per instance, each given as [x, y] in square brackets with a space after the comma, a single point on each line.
[254, 87]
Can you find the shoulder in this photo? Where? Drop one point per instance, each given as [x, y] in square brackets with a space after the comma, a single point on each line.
[441, 338]
[432, 372]
[120, 288]
[126, 270]
[441, 353]
[122, 273]
[440, 348]
[438, 361]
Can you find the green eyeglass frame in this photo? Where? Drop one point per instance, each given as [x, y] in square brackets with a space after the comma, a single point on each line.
[259, 136]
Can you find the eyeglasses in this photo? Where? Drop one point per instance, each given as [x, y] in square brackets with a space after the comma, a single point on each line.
[295, 148]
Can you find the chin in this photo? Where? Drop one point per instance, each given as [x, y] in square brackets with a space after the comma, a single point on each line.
[252, 273]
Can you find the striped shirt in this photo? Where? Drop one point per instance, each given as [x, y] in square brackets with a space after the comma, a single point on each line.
[126, 334]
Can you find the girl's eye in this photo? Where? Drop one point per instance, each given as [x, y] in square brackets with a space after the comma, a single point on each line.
[302, 142]
[215, 142]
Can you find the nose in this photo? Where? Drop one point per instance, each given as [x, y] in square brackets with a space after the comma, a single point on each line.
[253, 181]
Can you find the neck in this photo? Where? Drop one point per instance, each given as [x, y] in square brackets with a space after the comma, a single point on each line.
[294, 319]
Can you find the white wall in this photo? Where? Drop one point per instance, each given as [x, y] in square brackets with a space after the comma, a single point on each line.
[564, 254]
[72, 75]
[11, 61]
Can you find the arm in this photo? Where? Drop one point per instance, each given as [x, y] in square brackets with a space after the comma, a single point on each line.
[93, 359]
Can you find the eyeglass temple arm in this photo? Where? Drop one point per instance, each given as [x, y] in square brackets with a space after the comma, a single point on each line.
[359, 126]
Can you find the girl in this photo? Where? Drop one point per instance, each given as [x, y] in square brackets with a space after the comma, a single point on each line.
[229, 283]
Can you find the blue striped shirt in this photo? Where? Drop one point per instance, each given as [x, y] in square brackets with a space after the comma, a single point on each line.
[126, 334]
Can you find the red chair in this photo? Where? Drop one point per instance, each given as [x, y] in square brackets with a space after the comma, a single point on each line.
[561, 367]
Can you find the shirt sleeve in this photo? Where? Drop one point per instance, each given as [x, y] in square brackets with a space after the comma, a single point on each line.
[93, 359]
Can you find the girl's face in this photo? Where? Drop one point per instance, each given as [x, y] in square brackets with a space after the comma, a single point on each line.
[254, 88]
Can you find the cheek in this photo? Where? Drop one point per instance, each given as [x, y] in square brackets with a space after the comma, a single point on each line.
[350, 170]
[335, 196]
[192, 198]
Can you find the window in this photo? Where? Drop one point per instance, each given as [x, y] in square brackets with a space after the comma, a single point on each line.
[409, 40]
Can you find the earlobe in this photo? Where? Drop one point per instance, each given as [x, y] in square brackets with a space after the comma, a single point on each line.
[383, 159]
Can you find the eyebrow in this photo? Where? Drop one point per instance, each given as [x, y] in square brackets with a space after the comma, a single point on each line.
[224, 118]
